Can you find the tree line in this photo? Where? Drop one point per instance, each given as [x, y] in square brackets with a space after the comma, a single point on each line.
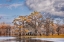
[37, 22]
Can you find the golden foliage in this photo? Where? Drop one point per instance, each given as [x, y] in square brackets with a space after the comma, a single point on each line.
[20, 26]
[26, 30]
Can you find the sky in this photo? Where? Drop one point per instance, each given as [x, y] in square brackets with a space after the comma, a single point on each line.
[10, 9]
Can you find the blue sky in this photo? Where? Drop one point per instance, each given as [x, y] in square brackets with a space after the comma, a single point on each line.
[10, 9]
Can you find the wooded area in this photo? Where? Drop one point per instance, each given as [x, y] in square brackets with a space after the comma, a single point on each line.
[34, 24]
[37, 24]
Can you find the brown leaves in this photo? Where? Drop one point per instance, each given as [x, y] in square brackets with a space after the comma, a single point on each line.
[4, 25]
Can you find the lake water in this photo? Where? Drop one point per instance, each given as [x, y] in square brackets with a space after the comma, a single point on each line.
[14, 39]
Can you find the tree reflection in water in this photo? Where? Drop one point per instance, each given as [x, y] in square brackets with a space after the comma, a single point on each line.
[25, 40]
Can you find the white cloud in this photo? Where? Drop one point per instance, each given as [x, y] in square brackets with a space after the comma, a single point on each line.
[15, 5]
[5, 15]
[54, 7]
[3, 5]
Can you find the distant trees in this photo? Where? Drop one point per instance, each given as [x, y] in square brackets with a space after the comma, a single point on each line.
[5, 29]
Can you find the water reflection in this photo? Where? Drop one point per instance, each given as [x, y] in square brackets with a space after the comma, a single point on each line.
[24, 40]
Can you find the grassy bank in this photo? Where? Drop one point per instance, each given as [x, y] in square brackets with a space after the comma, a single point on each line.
[43, 36]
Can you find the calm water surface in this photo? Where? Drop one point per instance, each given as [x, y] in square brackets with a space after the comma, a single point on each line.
[24, 40]
[12, 39]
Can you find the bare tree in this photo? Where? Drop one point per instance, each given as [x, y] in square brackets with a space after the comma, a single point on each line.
[52, 24]
[33, 21]
[58, 29]
[47, 26]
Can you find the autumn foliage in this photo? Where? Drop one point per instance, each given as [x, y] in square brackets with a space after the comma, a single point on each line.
[5, 29]
[34, 22]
